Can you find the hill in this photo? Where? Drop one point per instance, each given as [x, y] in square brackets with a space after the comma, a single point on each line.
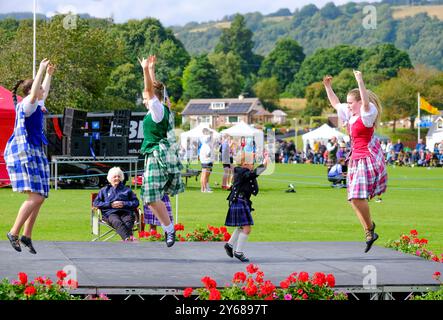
[415, 29]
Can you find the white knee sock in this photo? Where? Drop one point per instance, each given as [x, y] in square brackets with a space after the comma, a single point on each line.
[242, 238]
[169, 228]
[234, 237]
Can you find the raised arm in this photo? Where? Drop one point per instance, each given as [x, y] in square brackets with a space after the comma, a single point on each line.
[151, 65]
[363, 92]
[38, 80]
[47, 81]
[333, 99]
[148, 92]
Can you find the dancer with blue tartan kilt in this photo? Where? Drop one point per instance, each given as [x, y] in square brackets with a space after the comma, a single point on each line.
[240, 205]
[27, 165]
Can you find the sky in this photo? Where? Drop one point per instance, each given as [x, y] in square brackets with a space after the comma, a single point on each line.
[169, 12]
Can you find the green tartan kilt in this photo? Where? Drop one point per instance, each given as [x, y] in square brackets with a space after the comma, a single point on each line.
[160, 178]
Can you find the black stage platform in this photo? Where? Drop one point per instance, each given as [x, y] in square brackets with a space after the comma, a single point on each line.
[150, 268]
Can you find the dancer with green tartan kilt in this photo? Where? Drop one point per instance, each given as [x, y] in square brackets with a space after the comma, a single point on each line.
[162, 165]
[240, 205]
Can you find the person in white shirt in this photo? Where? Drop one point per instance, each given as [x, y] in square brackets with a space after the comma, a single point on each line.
[206, 163]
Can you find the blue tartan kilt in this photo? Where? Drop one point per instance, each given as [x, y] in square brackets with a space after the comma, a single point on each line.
[32, 176]
[239, 214]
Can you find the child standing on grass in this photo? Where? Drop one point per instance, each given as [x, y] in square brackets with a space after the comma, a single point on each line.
[367, 175]
[240, 206]
[27, 165]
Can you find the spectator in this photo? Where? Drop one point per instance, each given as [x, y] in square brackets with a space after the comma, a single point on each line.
[117, 203]
[337, 174]
[398, 147]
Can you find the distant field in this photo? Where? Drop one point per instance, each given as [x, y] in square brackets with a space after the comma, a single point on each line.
[220, 25]
[402, 12]
[292, 105]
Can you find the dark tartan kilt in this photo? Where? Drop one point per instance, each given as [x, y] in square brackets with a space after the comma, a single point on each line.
[239, 214]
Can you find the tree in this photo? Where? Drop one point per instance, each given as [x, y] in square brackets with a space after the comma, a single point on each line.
[84, 58]
[322, 62]
[200, 79]
[399, 94]
[330, 11]
[227, 67]
[267, 90]
[238, 39]
[316, 100]
[148, 36]
[123, 83]
[383, 61]
[283, 62]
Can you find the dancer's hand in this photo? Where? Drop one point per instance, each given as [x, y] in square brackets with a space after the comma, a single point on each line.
[327, 81]
[151, 62]
[358, 75]
[144, 63]
[44, 63]
[50, 69]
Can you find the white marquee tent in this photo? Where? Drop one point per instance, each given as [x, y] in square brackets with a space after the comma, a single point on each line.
[323, 134]
[242, 129]
[199, 131]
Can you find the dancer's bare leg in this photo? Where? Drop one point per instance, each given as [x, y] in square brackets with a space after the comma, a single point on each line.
[29, 224]
[33, 202]
[361, 208]
[160, 211]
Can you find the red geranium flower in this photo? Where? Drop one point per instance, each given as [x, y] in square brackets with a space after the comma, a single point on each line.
[48, 282]
[319, 278]
[239, 277]
[223, 229]
[305, 296]
[30, 291]
[226, 236]
[187, 292]
[259, 277]
[436, 275]
[73, 284]
[179, 227]
[252, 268]
[330, 280]
[251, 290]
[300, 291]
[209, 283]
[23, 277]
[61, 274]
[267, 288]
[413, 232]
[285, 284]
[303, 276]
[423, 241]
[214, 294]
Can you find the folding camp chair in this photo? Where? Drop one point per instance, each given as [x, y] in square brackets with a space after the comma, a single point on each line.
[98, 223]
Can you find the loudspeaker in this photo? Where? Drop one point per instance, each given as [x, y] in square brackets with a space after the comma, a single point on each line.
[121, 123]
[74, 122]
[113, 146]
[77, 146]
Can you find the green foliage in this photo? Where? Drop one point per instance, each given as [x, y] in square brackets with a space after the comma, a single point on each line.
[331, 26]
[228, 67]
[316, 100]
[325, 61]
[267, 90]
[238, 39]
[200, 79]
[123, 83]
[283, 62]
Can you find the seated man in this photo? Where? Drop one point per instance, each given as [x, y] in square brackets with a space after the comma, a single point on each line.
[117, 203]
[337, 174]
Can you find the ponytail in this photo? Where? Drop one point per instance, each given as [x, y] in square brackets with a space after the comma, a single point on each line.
[376, 102]
[14, 91]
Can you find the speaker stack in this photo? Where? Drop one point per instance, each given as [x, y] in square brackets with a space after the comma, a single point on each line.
[74, 128]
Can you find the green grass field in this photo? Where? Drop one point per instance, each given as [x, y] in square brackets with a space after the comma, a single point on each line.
[316, 212]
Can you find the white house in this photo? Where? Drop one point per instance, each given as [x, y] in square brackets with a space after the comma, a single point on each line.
[279, 116]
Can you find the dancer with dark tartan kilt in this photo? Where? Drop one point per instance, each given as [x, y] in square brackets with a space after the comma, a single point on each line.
[367, 176]
[240, 205]
[27, 165]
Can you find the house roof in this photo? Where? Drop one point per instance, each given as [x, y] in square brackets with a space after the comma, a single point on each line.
[232, 106]
[279, 113]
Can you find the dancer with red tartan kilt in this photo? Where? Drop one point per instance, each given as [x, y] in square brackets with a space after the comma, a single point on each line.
[367, 176]
[240, 206]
